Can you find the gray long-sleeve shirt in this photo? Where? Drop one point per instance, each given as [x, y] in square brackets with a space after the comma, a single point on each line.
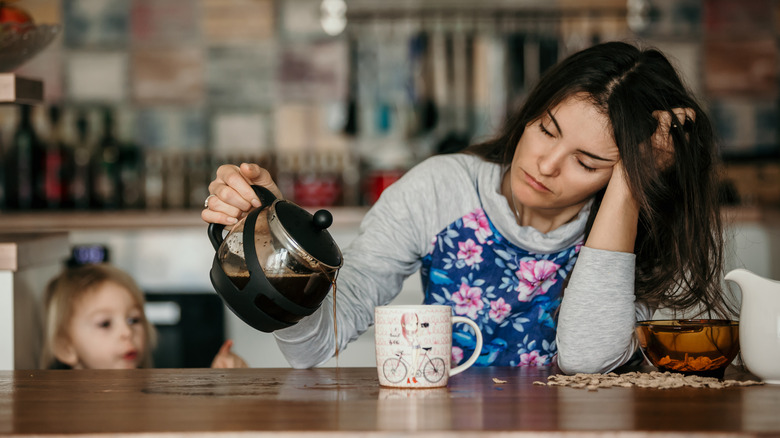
[598, 312]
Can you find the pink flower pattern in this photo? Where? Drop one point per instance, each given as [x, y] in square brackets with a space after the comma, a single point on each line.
[533, 359]
[499, 310]
[468, 300]
[433, 244]
[510, 292]
[536, 277]
[479, 222]
[470, 252]
[457, 355]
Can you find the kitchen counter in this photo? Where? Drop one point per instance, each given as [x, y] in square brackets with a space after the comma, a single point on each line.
[27, 262]
[349, 402]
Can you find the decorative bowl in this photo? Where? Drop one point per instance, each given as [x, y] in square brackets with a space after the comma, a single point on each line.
[20, 42]
[702, 347]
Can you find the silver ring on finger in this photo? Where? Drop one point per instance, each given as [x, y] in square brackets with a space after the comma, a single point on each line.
[206, 202]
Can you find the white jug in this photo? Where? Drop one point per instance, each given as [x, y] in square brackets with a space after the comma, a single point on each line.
[759, 324]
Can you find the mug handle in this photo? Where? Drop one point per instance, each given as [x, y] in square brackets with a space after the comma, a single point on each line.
[477, 350]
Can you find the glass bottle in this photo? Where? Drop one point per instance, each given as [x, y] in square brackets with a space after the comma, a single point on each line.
[131, 169]
[198, 178]
[174, 181]
[24, 165]
[153, 180]
[106, 185]
[80, 184]
[57, 162]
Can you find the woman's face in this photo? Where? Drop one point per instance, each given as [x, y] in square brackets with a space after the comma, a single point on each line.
[106, 330]
[410, 323]
[563, 159]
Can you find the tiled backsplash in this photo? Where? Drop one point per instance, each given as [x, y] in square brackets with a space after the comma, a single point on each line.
[254, 78]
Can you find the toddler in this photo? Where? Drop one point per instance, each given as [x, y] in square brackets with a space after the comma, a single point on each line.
[94, 319]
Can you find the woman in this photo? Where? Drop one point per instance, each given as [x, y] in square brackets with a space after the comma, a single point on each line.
[603, 184]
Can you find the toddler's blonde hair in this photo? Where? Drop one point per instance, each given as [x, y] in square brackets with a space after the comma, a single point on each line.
[71, 286]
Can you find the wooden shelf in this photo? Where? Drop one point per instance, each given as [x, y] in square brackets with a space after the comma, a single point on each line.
[19, 222]
[17, 89]
[343, 217]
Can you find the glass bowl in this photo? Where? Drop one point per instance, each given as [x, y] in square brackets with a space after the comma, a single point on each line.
[701, 347]
[20, 42]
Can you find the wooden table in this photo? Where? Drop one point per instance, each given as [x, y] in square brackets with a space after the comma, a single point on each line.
[348, 401]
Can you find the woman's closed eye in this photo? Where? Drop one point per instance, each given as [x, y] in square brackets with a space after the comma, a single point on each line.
[585, 166]
[592, 162]
[545, 131]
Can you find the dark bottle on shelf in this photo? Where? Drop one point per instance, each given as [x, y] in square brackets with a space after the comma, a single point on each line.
[174, 181]
[24, 166]
[58, 163]
[131, 174]
[198, 178]
[80, 183]
[106, 185]
[153, 180]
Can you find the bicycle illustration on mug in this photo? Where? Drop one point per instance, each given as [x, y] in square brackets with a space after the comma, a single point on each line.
[396, 368]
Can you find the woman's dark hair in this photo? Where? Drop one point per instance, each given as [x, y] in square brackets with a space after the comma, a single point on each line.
[679, 244]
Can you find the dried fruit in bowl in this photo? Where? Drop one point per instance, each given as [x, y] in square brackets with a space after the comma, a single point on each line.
[9, 13]
[703, 347]
[692, 364]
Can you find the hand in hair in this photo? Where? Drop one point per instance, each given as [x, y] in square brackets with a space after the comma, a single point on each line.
[663, 144]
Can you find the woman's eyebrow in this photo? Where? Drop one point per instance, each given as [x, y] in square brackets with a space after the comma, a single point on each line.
[592, 155]
[582, 151]
[555, 122]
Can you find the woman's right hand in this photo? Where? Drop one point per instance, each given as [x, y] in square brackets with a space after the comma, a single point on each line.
[231, 195]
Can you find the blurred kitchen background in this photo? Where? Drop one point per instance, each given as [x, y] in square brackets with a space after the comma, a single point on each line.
[143, 99]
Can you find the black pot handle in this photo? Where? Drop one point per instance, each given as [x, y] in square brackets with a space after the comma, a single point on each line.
[215, 230]
[215, 235]
[266, 196]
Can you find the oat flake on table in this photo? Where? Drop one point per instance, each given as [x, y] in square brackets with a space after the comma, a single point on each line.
[653, 379]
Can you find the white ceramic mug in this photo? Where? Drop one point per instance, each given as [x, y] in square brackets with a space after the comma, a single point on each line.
[414, 345]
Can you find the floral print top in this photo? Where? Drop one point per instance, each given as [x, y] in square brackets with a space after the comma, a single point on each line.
[512, 294]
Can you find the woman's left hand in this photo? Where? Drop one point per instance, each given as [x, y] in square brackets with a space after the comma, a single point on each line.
[227, 359]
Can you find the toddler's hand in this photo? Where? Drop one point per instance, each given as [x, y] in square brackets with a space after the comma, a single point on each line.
[227, 359]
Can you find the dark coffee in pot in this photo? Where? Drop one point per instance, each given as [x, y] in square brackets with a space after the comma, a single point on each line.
[307, 290]
[239, 279]
[304, 290]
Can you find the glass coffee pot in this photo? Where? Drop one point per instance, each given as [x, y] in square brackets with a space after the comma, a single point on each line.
[276, 265]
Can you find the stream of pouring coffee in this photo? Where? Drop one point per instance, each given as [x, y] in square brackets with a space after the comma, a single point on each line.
[335, 323]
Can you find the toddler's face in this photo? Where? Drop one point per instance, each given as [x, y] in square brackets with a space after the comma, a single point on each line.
[107, 330]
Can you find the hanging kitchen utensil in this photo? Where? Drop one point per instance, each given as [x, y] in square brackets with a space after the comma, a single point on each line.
[351, 123]
[457, 122]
